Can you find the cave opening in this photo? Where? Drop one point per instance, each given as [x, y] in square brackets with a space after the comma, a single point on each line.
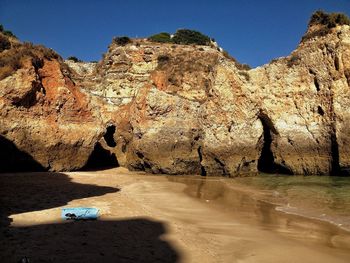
[100, 159]
[266, 162]
[200, 156]
[335, 167]
[109, 136]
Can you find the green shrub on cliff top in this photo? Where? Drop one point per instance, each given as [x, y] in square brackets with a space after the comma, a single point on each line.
[325, 21]
[163, 37]
[328, 19]
[183, 37]
[14, 58]
[6, 32]
[188, 37]
[73, 58]
[122, 41]
[4, 43]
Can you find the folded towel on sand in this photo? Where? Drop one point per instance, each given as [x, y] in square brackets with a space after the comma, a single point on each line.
[78, 213]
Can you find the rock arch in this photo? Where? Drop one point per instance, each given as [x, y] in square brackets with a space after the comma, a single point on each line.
[103, 155]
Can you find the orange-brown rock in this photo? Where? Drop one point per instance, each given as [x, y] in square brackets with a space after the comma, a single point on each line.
[46, 122]
[180, 109]
[192, 110]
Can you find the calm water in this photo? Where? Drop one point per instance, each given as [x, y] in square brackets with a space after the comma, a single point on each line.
[320, 197]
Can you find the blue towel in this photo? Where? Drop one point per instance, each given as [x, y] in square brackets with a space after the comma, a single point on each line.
[77, 213]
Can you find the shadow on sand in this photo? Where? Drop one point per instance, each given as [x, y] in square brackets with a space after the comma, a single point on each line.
[135, 240]
[89, 241]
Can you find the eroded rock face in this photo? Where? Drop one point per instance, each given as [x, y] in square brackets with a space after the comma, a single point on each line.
[305, 96]
[47, 118]
[178, 109]
[191, 110]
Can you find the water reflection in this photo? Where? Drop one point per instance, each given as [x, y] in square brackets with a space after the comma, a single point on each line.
[323, 194]
[256, 208]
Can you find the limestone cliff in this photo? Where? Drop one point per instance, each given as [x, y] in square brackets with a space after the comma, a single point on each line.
[180, 109]
[46, 122]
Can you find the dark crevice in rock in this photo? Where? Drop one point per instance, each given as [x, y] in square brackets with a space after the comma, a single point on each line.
[336, 63]
[145, 165]
[222, 166]
[320, 110]
[14, 160]
[196, 138]
[244, 165]
[266, 162]
[140, 155]
[124, 148]
[317, 85]
[37, 63]
[267, 122]
[312, 72]
[230, 126]
[101, 158]
[347, 76]
[200, 156]
[29, 99]
[335, 167]
[109, 136]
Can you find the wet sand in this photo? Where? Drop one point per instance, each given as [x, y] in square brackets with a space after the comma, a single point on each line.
[154, 219]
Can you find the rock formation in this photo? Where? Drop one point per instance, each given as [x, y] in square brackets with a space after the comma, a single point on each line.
[44, 115]
[180, 109]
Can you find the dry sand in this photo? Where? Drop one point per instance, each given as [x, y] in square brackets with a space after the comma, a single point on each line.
[153, 219]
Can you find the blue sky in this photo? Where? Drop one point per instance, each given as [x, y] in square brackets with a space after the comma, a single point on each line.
[253, 31]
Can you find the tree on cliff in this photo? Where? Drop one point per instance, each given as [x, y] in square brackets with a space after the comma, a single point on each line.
[163, 37]
[324, 22]
[6, 32]
[73, 58]
[183, 37]
[328, 19]
[187, 37]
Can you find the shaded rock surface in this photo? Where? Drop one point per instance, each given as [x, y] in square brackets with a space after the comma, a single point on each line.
[181, 109]
[46, 116]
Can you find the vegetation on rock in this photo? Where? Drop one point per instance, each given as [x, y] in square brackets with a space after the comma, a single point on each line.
[325, 21]
[188, 37]
[4, 43]
[191, 37]
[293, 60]
[329, 20]
[75, 59]
[14, 58]
[6, 32]
[183, 37]
[163, 37]
[122, 41]
[238, 65]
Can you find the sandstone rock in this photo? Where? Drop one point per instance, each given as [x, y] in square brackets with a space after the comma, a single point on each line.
[194, 111]
[47, 119]
[179, 109]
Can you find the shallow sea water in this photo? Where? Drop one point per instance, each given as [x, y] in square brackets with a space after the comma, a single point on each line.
[325, 198]
[322, 197]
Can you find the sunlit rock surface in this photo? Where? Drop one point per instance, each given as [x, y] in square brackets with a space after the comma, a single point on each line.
[180, 109]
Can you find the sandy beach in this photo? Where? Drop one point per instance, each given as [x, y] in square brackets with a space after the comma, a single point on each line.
[146, 218]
